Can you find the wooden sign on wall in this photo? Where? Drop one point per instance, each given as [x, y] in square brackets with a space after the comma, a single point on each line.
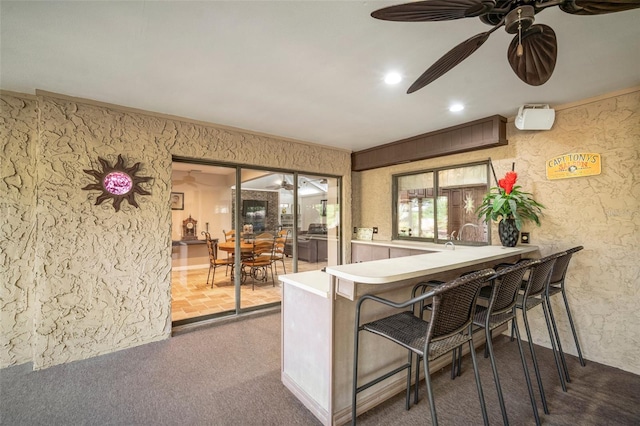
[573, 165]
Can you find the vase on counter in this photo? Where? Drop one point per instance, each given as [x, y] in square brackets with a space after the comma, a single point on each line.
[508, 232]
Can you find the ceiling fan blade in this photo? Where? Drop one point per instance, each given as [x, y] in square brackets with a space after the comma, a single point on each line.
[434, 10]
[598, 7]
[450, 60]
[540, 51]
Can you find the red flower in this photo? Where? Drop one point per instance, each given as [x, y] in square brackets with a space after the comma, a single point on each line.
[508, 182]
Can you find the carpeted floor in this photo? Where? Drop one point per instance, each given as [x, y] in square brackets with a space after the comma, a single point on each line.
[230, 375]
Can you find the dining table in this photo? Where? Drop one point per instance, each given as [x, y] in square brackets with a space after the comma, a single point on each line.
[246, 249]
[230, 247]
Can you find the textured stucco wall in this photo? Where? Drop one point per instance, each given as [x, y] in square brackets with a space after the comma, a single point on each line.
[602, 213]
[18, 138]
[102, 279]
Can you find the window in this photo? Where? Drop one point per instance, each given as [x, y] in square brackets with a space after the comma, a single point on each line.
[439, 205]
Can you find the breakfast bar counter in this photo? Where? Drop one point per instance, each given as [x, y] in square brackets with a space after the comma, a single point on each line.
[318, 311]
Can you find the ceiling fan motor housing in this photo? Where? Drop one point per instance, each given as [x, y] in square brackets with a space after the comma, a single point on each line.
[525, 17]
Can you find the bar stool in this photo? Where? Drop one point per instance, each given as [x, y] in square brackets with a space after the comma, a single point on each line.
[500, 310]
[501, 298]
[453, 308]
[534, 295]
[556, 285]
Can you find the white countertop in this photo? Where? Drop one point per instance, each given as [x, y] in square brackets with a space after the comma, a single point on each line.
[316, 282]
[414, 245]
[402, 268]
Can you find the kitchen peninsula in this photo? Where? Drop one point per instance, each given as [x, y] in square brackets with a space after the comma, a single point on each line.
[318, 311]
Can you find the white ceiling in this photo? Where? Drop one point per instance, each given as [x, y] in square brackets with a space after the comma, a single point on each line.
[308, 70]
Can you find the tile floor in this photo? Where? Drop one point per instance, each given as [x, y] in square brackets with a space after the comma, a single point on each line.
[192, 297]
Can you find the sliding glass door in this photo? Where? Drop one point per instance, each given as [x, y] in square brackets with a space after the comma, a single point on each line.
[262, 200]
[319, 222]
[260, 224]
[201, 201]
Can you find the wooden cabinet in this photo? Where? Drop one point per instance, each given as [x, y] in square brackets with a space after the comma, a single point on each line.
[367, 252]
[399, 252]
[402, 252]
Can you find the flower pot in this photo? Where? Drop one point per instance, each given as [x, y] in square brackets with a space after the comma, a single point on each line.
[508, 232]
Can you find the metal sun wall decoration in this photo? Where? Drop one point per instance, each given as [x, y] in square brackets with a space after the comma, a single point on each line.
[117, 182]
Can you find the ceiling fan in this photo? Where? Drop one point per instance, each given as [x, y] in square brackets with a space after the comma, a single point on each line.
[533, 51]
[282, 185]
[190, 180]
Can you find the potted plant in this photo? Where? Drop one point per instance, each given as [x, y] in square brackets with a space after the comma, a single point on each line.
[511, 207]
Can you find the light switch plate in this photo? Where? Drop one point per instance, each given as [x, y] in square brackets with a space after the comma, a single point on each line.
[524, 238]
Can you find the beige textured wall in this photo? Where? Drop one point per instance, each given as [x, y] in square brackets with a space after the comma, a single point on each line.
[602, 213]
[102, 279]
[18, 139]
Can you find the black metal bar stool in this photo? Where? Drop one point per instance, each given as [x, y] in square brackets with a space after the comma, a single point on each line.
[500, 310]
[556, 285]
[534, 295]
[501, 298]
[453, 308]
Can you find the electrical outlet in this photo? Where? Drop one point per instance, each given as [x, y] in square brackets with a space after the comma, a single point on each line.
[375, 229]
[524, 238]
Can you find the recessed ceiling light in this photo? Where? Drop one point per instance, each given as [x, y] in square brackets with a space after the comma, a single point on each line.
[456, 107]
[392, 78]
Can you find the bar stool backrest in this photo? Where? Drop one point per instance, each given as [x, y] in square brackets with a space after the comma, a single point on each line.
[540, 275]
[507, 282]
[454, 304]
[561, 265]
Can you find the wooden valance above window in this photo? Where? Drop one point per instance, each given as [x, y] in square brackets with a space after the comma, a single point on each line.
[480, 134]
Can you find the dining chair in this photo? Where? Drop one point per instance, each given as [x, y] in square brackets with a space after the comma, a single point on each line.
[278, 251]
[449, 326]
[214, 262]
[265, 236]
[229, 235]
[260, 262]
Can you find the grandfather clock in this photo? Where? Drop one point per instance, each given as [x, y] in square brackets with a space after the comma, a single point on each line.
[189, 229]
